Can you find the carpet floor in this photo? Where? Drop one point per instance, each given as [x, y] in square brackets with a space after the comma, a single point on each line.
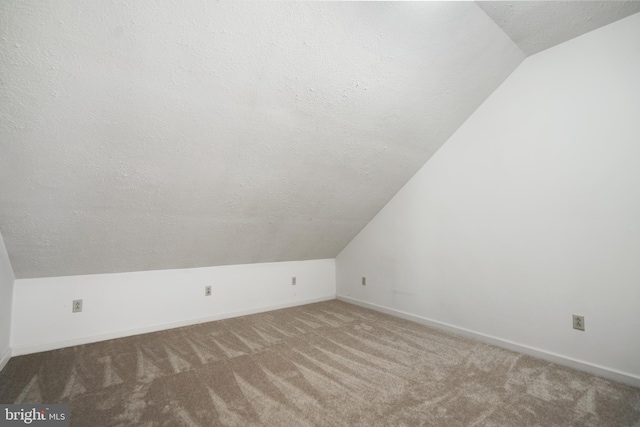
[324, 364]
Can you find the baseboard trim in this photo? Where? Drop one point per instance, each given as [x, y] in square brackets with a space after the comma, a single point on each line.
[19, 350]
[4, 359]
[600, 371]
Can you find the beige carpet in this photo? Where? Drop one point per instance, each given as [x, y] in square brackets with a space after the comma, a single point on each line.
[325, 364]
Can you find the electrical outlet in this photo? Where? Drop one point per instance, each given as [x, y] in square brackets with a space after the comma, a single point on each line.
[578, 322]
[207, 291]
[364, 281]
[293, 281]
[76, 307]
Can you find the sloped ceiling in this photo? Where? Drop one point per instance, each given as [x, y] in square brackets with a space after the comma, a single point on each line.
[539, 25]
[153, 135]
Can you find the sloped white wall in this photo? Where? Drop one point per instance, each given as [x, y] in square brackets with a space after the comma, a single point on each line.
[528, 214]
[122, 304]
[6, 303]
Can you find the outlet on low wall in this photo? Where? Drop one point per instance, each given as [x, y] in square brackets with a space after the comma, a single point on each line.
[116, 305]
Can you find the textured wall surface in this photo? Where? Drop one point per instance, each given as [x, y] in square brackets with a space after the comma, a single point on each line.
[146, 135]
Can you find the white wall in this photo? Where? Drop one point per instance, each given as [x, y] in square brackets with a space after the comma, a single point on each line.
[528, 214]
[122, 304]
[6, 302]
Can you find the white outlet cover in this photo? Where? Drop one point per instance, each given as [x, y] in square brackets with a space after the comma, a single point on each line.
[578, 322]
[76, 306]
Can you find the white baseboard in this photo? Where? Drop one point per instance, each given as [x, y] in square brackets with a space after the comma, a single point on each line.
[37, 348]
[600, 371]
[4, 359]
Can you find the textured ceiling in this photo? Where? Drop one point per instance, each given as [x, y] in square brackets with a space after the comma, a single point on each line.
[146, 135]
[539, 25]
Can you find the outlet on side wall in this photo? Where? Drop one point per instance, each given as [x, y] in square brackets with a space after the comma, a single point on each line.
[578, 322]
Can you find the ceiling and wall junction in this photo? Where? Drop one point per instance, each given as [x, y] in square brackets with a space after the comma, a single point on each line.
[143, 136]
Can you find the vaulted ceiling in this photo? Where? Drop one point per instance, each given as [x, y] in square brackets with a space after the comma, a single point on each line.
[146, 135]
